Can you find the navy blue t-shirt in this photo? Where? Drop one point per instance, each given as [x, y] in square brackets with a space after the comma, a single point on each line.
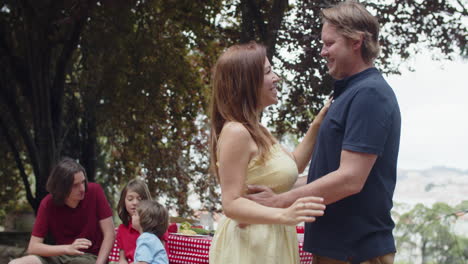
[364, 117]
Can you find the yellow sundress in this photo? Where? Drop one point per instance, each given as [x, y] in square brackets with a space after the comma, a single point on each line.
[260, 243]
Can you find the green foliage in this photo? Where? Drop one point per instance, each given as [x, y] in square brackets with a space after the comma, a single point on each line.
[150, 75]
[123, 86]
[407, 27]
[11, 191]
[428, 233]
[148, 84]
[429, 187]
[132, 98]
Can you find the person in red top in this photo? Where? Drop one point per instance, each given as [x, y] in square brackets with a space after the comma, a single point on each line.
[76, 216]
[125, 243]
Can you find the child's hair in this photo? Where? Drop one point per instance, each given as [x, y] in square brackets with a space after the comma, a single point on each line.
[153, 217]
[134, 185]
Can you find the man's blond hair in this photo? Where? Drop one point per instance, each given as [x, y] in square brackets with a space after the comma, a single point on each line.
[352, 20]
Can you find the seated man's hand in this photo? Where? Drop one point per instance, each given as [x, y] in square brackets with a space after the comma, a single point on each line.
[78, 245]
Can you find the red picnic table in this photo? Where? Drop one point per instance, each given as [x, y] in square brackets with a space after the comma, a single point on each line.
[195, 249]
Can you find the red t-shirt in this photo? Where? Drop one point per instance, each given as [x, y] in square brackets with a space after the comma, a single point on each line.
[126, 240]
[66, 224]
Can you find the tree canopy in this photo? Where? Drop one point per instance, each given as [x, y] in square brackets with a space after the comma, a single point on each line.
[123, 86]
[426, 234]
[407, 27]
[119, 85]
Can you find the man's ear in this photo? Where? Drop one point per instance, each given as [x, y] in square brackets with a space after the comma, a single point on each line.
[357, 43]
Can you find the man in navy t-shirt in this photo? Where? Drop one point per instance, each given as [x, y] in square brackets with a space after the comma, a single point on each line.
[354, 162]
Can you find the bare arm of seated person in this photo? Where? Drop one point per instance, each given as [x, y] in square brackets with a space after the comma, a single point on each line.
[236, 149]
[37, 247]
[107, 228]
[122, 258]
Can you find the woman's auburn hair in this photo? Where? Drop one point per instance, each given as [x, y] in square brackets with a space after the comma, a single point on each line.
[237, 80]
[134, 185]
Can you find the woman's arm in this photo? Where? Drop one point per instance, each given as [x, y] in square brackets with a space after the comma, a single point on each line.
[107, 228]
[236, 148]
[303, 152]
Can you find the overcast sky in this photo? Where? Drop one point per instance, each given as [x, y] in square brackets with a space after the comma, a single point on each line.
[434, 106]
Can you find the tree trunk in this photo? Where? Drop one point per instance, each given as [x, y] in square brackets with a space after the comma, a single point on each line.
[423, 253]
[38, 46]
[254, 26]
[247, 24]
[275, 19]
[39, 61]
[89, 152]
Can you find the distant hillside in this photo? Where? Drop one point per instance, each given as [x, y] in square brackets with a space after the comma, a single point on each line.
[438, 184]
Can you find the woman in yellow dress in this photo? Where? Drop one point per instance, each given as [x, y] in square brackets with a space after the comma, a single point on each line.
[244, 152]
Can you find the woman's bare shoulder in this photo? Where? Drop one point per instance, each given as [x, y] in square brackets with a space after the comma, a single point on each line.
[235, 134]
[235, 129]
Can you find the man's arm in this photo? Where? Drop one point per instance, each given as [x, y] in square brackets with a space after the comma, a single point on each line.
[37, 247]
[236, 148]
[107, 228]
[301, 181]
[347, 180]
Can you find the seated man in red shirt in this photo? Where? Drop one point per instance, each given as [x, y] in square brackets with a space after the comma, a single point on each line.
[76, 215]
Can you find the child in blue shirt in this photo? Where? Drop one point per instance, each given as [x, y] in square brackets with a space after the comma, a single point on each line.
[152, 220]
